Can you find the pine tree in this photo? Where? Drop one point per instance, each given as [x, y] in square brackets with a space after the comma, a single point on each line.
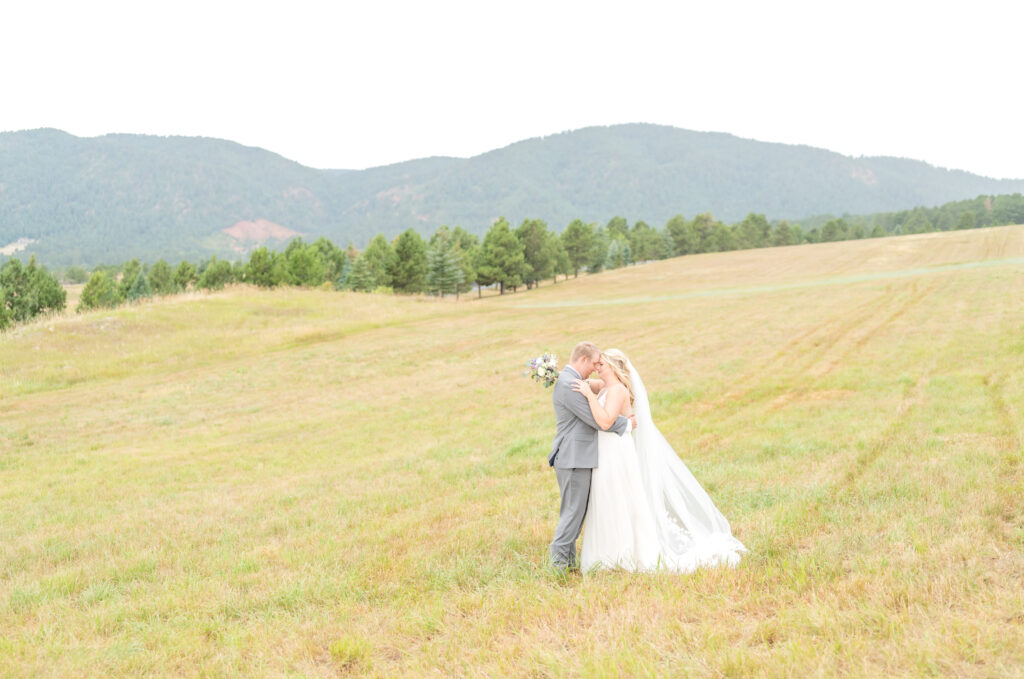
[681, 236]
[184, 276]
[782, 234]
[833, 230]
[466, 244]
[305, 264]
[339, 282]
[27, 291]
[500, 258]
[99, 292]
[260, 270]
[216, 274]
[598, 250]
[332, 256]
[645, 243]
[410, 268]
[140, 288]
[129, 272]
[537, 250]
[617, 226]
[614, 259]
[577, 239]
[379, 259]
[704, 230]
[45, 291]
[753, 232]
[360, 278]
[161, 278]
[445, 273]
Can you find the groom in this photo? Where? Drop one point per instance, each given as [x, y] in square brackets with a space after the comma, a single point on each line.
[574, 451]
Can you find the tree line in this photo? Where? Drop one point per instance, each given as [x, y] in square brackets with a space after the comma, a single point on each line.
[453, 261]
[983, 211]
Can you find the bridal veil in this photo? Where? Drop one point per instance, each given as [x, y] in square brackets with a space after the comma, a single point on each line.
[691, 530]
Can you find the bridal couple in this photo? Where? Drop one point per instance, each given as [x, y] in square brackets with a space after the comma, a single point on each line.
[643, 509]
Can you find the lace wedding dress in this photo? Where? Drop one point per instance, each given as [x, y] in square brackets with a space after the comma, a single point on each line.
[646, 510]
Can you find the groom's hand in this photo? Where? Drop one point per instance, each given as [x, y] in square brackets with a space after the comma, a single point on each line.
[632, 419]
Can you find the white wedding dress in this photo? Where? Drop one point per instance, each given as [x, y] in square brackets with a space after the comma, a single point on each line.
[688, 530]
[619, 528]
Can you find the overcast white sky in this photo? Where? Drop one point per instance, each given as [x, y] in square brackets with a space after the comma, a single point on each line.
[353, 85]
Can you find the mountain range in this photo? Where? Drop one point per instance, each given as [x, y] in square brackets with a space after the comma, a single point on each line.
[83, 201]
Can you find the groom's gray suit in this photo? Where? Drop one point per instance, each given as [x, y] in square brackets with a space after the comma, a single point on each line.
[574, 457]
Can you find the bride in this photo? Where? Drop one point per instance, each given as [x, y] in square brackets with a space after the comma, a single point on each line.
[646, 510]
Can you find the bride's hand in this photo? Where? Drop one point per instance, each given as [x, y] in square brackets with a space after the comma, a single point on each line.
[583, 387]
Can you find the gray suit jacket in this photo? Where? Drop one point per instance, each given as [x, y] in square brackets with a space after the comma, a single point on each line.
[575, 445]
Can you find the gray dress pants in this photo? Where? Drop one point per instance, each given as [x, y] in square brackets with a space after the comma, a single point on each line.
[574, 485]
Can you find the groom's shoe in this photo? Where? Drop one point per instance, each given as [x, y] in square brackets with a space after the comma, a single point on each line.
[558, 572]
[564, 574]
[565, 567]
[562, 567]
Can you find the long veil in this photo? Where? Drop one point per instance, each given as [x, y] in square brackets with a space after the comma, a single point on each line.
[691, 530]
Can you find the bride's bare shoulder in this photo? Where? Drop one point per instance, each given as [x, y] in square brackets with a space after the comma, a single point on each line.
[618, 394]
[619, 390]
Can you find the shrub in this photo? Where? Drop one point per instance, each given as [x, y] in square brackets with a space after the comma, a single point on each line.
[99, 292]
[216, 275]
[28, 291]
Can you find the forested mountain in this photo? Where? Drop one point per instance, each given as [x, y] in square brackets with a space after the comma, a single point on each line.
[107, 199]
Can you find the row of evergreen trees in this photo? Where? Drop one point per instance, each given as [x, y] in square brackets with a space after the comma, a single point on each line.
[408, 264]
[956, 215]
[453, 261]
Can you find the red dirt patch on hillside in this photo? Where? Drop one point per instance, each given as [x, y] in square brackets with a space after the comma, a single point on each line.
[259, 230]
[863, 174]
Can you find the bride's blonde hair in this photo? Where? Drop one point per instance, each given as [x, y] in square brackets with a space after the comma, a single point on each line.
[617, 361]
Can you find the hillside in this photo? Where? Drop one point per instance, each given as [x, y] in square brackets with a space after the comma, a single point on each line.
[301, 482]
[107, 199]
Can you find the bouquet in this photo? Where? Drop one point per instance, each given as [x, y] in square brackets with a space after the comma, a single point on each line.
[543, 369]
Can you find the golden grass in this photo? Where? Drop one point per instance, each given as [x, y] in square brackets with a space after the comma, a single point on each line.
[308, 483]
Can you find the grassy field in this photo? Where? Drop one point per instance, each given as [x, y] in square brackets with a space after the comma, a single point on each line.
[307, 483]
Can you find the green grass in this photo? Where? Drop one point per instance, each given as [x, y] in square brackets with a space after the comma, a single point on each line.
[308, 483]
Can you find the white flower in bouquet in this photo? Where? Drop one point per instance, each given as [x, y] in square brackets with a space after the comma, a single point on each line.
[543, 369]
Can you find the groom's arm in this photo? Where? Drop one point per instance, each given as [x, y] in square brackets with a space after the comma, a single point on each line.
[579, 406]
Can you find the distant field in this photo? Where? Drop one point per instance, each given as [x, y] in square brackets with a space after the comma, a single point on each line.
[308, 483]
[74, 291]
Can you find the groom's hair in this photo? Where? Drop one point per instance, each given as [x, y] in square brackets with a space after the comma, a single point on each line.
[582, 349]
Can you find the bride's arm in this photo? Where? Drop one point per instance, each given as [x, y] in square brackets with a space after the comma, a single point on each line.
[596, 385]
[605, 415]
